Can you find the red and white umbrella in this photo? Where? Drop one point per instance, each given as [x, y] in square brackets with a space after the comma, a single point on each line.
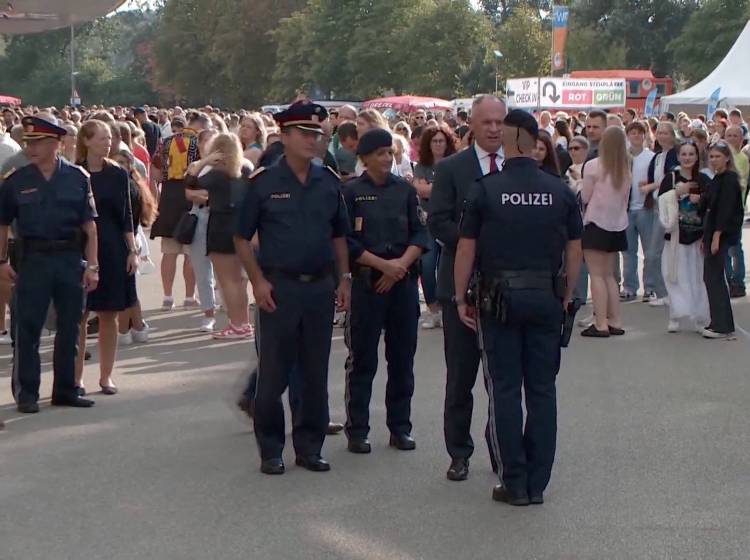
[407, 103]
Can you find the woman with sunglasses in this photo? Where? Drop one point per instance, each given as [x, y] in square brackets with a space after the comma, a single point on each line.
[682, 263]
[722, 225]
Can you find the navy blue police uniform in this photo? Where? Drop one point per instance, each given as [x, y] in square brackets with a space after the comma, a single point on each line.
[296, 224]
[48, 216]
[522, 219]
[385, 221]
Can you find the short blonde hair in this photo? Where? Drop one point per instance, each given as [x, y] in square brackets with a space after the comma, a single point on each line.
[228, 145]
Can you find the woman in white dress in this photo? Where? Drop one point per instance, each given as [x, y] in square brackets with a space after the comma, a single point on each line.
[682, 259]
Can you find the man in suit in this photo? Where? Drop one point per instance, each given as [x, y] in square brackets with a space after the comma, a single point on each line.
[453, 177]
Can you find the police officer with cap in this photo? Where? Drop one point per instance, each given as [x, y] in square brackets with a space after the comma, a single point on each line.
[385, 243]
[51, 203]
[523, 228]
[299, 214]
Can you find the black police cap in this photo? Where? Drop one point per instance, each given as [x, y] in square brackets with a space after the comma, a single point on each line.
[372, 140]
[519, 118]
[39, 127]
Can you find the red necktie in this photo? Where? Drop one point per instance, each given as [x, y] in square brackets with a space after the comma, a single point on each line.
[493, 163]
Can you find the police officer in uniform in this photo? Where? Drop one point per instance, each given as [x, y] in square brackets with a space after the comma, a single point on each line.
[385, 243]
[520, 225]
[299, 214]
[51, 203]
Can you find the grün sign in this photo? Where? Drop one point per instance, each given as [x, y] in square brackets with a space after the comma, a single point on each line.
[609, 97]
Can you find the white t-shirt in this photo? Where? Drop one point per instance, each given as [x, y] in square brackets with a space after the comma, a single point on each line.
[639, 173]
[8, 148]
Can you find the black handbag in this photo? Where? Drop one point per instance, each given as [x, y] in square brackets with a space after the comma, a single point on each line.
[184, 231]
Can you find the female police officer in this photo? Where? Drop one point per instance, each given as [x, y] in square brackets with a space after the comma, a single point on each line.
[51, 203]
[517, 225]
[385, 241]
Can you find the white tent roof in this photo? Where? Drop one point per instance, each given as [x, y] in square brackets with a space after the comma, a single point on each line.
[728, 75]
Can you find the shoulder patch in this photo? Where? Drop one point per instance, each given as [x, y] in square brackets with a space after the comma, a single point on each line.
[81, 169]
[256, 172]
[332, 172]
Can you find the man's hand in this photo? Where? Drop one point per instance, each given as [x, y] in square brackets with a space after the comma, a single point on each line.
[7, 274]
[424, 189]
[90, 280]
[343, 295]
[467, 315]
[394, 269]
[263, 292]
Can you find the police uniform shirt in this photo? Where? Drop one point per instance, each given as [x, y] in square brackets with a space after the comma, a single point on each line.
[295, 222]
[384, 219]
[522, 218]
[49, 210]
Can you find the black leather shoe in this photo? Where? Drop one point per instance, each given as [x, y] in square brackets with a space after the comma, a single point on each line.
[404, 442]
[536, 499]
[501, 494]
[459, 469]
[272, 466]
[359, 445]
[74, 402]
[334, 428]
[314, 463]
[28, 407]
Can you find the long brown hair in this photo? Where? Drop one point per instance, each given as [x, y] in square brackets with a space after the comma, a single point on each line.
[426, 157]
[613, 157]
[87, 132]
[149, 209]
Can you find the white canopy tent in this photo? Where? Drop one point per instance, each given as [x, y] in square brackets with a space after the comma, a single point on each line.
[731, 75]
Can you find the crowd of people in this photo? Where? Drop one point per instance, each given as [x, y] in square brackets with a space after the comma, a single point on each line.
[676, 185]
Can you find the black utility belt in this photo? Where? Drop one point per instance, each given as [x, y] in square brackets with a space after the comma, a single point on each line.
[495, 289]
[298, 276]
[48, 245]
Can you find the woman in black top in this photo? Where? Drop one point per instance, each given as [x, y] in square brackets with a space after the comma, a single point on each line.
[723, 215]
[546, 155]
[222, 177]
[131, 326]
[117, 257]
[682, 260]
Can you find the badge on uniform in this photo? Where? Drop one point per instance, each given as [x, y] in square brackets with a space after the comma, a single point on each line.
[358, 223]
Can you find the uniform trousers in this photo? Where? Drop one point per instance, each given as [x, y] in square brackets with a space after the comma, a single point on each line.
[299, 330]
[523, 352]
[396, 311]
[43, 278]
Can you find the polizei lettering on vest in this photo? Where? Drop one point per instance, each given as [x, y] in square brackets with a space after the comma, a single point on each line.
[526, 199]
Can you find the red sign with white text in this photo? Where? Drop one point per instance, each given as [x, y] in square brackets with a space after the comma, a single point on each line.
[577, 97]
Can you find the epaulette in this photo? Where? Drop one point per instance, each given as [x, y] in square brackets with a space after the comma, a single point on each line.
[9, 173]
[256, 172]
[82, 170]
[333, 171]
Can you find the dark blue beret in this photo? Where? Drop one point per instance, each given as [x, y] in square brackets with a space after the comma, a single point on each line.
[372, 140]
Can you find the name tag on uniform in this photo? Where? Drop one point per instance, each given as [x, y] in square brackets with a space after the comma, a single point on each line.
[358, 223]
[365, 198]
[280, 195]
[526, 199]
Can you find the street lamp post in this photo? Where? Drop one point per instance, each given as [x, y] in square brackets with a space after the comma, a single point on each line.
[498, 56]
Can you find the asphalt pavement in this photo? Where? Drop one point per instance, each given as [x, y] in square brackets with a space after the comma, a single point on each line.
[653, 460]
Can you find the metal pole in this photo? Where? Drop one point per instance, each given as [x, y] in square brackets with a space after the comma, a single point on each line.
[497, 71]
[72, 63]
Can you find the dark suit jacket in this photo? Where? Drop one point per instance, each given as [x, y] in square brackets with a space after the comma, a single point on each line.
[453, 177]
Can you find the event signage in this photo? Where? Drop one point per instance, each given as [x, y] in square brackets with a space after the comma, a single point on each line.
[566, 93]
[713, 103]
[559, 34]
[650, 105]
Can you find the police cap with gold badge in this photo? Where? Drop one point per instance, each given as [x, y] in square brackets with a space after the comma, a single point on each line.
[303, 115]
[40, 127]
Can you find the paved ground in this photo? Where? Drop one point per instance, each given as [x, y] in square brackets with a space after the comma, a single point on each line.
[653, 462]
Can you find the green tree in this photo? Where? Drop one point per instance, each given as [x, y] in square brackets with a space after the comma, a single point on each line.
[525, 44]
[707, 37]
[585, 50]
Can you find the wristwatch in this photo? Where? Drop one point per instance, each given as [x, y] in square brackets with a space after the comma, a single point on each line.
[346, 276]
[93, 267]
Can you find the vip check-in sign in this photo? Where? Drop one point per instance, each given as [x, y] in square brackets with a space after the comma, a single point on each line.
[566, 93]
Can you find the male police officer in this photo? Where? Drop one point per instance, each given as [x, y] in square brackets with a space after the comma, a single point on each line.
[51, 203]
[386, 241]
[300, 217]
[518, 224]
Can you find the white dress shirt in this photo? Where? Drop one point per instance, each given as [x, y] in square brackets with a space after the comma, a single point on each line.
[484, 158]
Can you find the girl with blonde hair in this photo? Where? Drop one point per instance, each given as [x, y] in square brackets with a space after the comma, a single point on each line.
[253, 135]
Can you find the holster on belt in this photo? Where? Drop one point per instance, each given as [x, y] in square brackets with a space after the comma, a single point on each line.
[494, 289]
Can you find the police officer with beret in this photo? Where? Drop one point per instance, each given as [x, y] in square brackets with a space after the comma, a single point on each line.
[385, 243]
[299, 214]
[51, 203]
[520, 225]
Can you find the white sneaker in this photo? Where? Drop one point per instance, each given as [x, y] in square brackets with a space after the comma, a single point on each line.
[673, 326]
[709, 333]
[586, 321]
[141, 335]
[5, 338]
[208, 324]
[655, 301]
[433, 321]
[167, 303]
[124, 339]
[190, 303]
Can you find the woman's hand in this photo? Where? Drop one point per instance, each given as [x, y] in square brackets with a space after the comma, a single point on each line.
[695, 198]
[644, 187]
[199, 196]
[468, 315]
[132, 262]
[715, 243]
[682, 188]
